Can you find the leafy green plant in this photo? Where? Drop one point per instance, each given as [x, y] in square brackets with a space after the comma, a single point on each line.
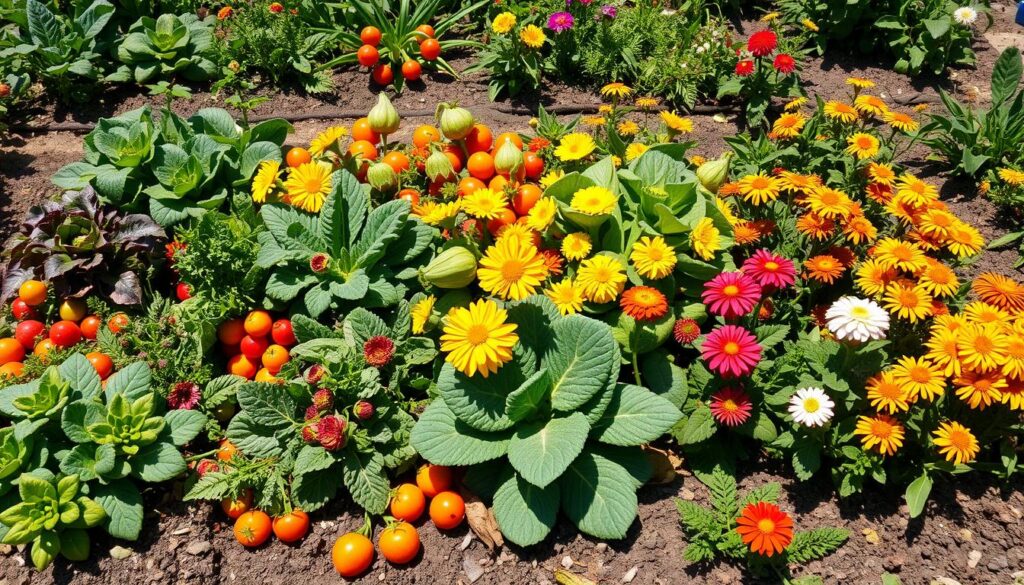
[84, 247]
[552, 429]
[166, 46]
[349, 255]
[513, 66]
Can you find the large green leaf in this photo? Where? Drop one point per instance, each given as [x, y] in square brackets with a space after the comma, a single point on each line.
[365, 478]
[268, 404]
[917, 494]
[635, 416]
[529, 397]
[525, 512]
[82, 376]
[699, 426]
[184, 425]
[480, 402]
[314, 488]
[122, 502]
[542, 450]
[344, 212]
[599, 496]
[132, 381]
[1006, 75]
[444, 440]
[158, 462]
[383, 226]
[578, 363]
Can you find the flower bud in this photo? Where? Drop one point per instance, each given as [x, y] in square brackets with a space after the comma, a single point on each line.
[323, 400]
[509, 159]
[314, 374]
[456, 123]
[383, 117]
[207, 466]
[331, 432]
[439, 166]
[309, 434]
[453, 268]
[319, 263]
[382, 177]
[713, 174]
[363, 409]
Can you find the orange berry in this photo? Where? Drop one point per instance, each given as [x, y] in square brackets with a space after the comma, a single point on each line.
[258, 324]
[481, 165]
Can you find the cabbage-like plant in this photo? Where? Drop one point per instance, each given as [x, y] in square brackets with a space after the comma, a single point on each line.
[552, 429]
[165, 46]
[82, 247]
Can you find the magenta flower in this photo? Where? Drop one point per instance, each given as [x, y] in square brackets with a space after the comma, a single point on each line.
[770, 270]
[731, 294]
[609, 11]
[560, 21]
[730, 406]
[184, 396]
[731, 351]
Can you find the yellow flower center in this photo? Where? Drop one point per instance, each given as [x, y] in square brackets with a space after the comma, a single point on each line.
[602, 275]
[859, 312]
[983, 344]
[881, 429]
[730, 405]
[512, 270]
[731, 290]
[908, 299]
[313, 185]
[731, 348]
[766, 525]
[771, 266]
[960, 440]
[477, 334]
[920, 374]
[760, 183]
[811, 405]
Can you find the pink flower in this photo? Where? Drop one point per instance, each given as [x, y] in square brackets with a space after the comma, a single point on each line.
[770, 270]
[686, 331]
[784, 63]
[731, 351]
[330, 433]
[731, 294]
[762, 43]
[744, 68]
[184, 396]
[730, 406]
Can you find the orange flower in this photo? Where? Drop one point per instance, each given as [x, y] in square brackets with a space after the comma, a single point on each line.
[824, 268]
[765, 528]
[815, 226]
[644, 303]
[745, 233]
[1001, 291]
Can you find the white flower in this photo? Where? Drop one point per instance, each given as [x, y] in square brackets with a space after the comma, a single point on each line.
[857, 319]
[811, 407]
[965, 15]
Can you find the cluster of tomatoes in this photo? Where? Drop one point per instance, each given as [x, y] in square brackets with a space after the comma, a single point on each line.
[368, 55]
[257, 346]
[32, 335]
[399, 542]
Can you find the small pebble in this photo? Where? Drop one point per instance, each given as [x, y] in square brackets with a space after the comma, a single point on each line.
[567, 562]
[630, 575]
[973, 558]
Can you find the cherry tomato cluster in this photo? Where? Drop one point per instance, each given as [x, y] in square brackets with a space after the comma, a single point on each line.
[399, 542]
[256, 345]
[32, 335]
[369, 54]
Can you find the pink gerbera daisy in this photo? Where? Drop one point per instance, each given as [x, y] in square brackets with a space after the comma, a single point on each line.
[730, 406]
[770, 270]
[731, 350]
[731, 294]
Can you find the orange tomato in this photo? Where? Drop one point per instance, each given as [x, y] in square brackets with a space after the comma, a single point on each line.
[470, 185]
[411, 70]
[410, 195]
[11, 350]
[525, 198]
[507, 217]
[231, 332]
[426, 29]
[265, 376]
[533, 164]
[91, 326]
[399, 543]
[407, 502]
[370, 35]
[275, 357]
[430, 49]
[252, 528]
[433, 479]
[382, 74]
[479, 139]
[291, 527]
[498, 183]
[226, 451]
[297, 156]
[117, 322]
[258, 323]
[352, 554]
[235, 508]
[454, 156]
[362, 149]
[447, 510]
[32, 292]
[425, 135]
[102, 363]
[361, 131]
[240, 365]
[508, 137]
[43, 349]
[480, 165]
[11, 370]
[397, 160]
[367, 55]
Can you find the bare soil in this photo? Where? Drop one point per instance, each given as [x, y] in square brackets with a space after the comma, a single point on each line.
[972, 531]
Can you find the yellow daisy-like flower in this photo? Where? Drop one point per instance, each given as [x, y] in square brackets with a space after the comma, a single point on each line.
[843, 112]
[943, 352]
[308, 185]
[532, 36]
[566, 295]
[919, 378]
[912, 303]
[484, 203]
[512, 269]
[478, 339]
[939, 279]
[860, 82]
[676, 123]
[815, 226]
[627, 128]
[795, 103]
[896, 253]
[885, 394]
[697, 160]
[576, 246]
[542, 214]
[881, 433]
[829, 203]
[550, 178]
[981, 347]
[1011, 176]
[705, 239]
[634, 150]
[503, 23]
[727, 210]
[1013, 366]
[594, 201]
[605, 109]
[980, 390]
[870, 105]
[616, 90]
[759, 189]
[796, 183]
[601, 278]
[956, 443]
[862, 145]
[421, 313]
[982, 312]
[900, 121]
[594, 121]
[964, 240]
[616, 160]
[265, 180]
[910, 189]
[433, 213]
[1013, 394]
[859, 229]
[810, 25]
[646, 102]
[789, 125]
[653, 257]
[771, 17]
[519, 231]
[327, 139]
[575, 146]
[881, 173]
[872, 277]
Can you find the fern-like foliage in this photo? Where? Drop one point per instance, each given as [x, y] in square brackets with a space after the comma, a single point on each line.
[815, 544]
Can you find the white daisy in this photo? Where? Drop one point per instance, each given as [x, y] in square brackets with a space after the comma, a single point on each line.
[965, 15]
[811, 407]
[857, 319]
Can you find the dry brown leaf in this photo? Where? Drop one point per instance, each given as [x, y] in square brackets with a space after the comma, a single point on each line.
[481, 521]
[663, 465]
[566, 578]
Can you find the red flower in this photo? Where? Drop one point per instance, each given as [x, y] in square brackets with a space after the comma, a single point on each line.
[363, 410]
[744, 68]
[784, 63]
[686, 331]
[172, 249]
[309, 434]
[225, 13]
[765, 528]
[314, 374]
[538, 143]
[553, 260]
[319, 262]
[331, 433]
[762, 43]
[323, 400]
[378, 351]
[207, 466]
[312, 412]
[770, 270]
[731, 294]
[184, 396]
[276, 7]
[730, 406]
[731, 350]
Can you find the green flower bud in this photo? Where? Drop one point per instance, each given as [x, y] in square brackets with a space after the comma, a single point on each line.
[382, 177]
[383, 117]
[439, 166]
[453, 268]
[456, 123]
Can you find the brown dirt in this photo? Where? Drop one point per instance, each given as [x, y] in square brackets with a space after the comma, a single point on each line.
[192, 543]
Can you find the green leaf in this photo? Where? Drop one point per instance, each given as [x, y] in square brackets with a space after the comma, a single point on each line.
[598, 496]
[184, 425]
[890, 579]
[635, 416]
[806, 459]
[444, 440]
[699, 426]
[917, 494]
[937, 28]
[525, 512]
[479, 401]
[81, 375]
[344, 211]
[158, 462]
[383, 226]
[578, 363]
[542, 450]
[529, 397]
[314, 488]
[132, 381]
[268, 404]
[365, 478]
[123, 505]
[1006, 75]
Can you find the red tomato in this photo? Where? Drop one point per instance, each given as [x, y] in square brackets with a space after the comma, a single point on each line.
[433, 479]
[408, 503]
[282, 333]
[367, 55]
[426, 29]
[11, 351]
[183, 292]
[235, 508]
[253, 347]
[507, 217]
[91, 326]
[410, 195]
[21, 310]
[65, 333]
[411, 70]
[231, 332]
[525, 198]
[352, 554]
[399, 543]
[382, 74]
[533, 164]
[117, 322]
[447, 510]
[479, 139]
[370, 35]
[430, 49]
[29, 332]
[252, 528]
[297, 156]
[226, 451]
[102, 363]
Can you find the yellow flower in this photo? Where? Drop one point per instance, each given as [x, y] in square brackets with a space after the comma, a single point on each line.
[433, 213]
[981, 347]
[594, 201]
[594, 121]
[837, 110]
[653, 257]
[605, 109]
[519, 231]
[870, 105]
[796, 183]
[939, 279]
[627, 128]
[511, 269]
[265, 180]
[881, 173]
[477, 338]
[616, 90]
[484, 203]
[795, 103]
[919, 378]
[646, 102]
[862, 145]
[910, 189]
[532, 36]
[326, 139]
[705, 239]
[788, 125]
[727, 210]
[860, 229]
[759, 189]
[942, 351]
[829, 203]
[860, 82]
[980, 390]
[676, 123]
[697, 160]
[1011, 177]
[542, 214]
[550, 178]
[964, 240]
[881, 432]
[503, 23]
[771, 17]
[885, 394]
[896, 253]
[421, 313]
[634, 150]
[601, 278]
[308, 185]
[566, 295]
[575, 146]
[872, 277]
[900, 121]
[912, 303]
[576, 246]
[956, 443]
[809, 25]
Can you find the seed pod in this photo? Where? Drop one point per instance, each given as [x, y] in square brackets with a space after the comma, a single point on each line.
[382, 177]
[508, 159]
[383, 117]
[456, 123]
[713, 174]
[453, 268]
[439, 166]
